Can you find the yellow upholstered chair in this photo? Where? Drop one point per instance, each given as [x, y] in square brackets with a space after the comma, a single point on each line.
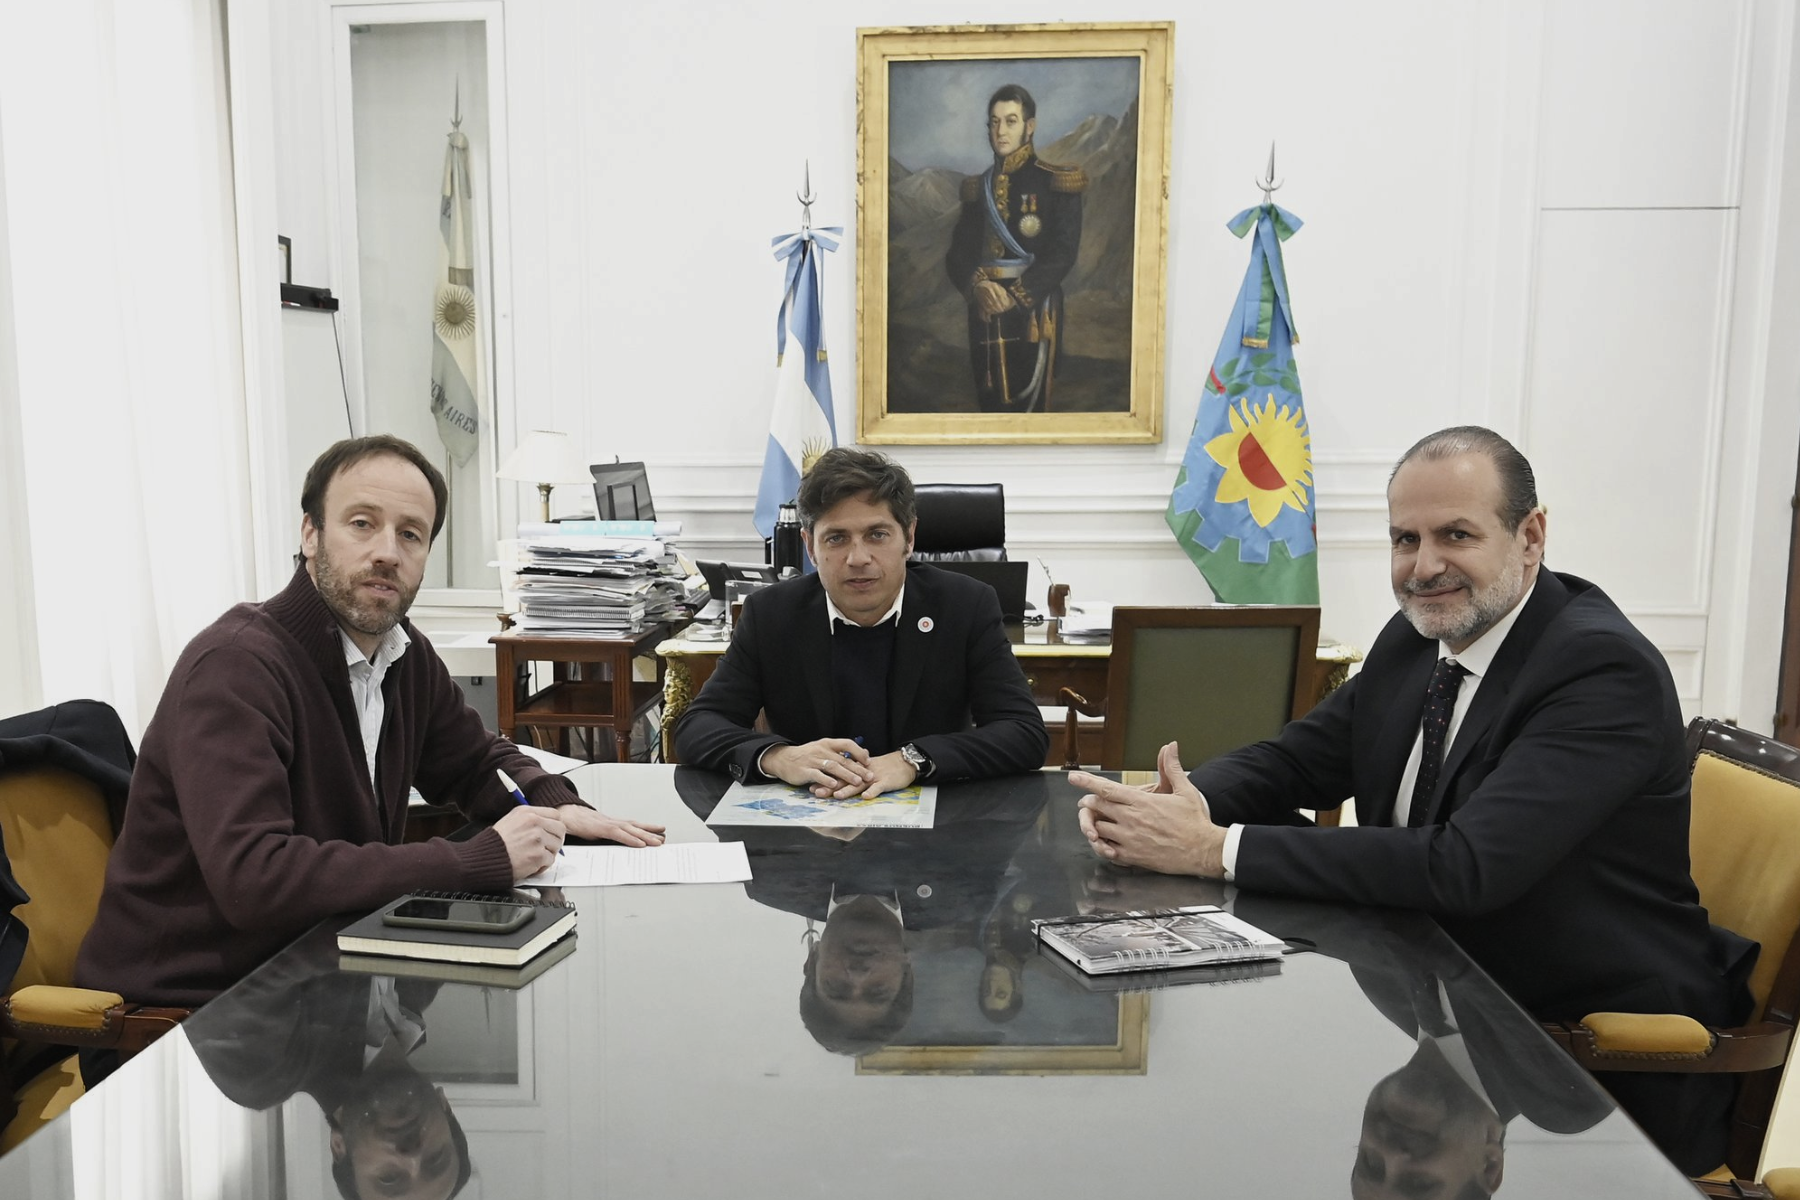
[1744, 842]
[57, 833]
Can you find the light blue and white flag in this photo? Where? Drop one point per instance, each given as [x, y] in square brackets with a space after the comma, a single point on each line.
[455, 373]
[802, 426]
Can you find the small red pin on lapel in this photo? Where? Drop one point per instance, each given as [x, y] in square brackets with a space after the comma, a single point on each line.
[926, 624]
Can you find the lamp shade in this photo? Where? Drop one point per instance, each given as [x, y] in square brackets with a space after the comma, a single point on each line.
[544, 456]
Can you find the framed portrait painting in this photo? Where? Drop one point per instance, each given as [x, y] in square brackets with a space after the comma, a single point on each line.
[1012, 229]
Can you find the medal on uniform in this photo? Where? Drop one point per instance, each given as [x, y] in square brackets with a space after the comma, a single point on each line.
[1030, 225]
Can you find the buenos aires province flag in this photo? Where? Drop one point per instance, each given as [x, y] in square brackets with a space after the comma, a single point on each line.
[1243, 504]
[801, 425]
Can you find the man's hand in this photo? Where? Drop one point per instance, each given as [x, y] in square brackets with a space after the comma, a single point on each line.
[594, 825]
[532, 837]
[1169, 829]
[827, 766]
[991, 299]
[886, 773]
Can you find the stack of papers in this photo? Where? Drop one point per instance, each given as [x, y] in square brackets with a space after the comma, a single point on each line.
[591, 585]
[1086, 623]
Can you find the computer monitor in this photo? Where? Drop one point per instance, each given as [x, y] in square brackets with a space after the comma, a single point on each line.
[622, 492]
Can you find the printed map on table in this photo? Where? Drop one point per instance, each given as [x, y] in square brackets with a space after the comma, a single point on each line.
[912, 807]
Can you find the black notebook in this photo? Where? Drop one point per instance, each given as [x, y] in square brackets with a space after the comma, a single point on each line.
[1160, 937]
[550, 920]
[459, 972]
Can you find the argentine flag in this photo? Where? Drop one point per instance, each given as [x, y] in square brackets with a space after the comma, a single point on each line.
[802, 426]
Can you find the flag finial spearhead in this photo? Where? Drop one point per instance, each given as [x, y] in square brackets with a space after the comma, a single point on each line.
[1268, 184]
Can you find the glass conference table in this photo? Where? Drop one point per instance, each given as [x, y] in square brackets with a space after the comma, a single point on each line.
[791, 1037]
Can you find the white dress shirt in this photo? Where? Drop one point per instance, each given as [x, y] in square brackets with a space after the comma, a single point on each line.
[1476, 659]
[366, 675]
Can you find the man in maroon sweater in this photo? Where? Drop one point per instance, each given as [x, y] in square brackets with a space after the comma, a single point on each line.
[272, 786]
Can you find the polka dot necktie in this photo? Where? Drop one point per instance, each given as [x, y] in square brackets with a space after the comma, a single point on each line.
[1440, 700]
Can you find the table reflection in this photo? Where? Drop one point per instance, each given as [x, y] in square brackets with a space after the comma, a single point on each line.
[345, 1040]
[1437, 1126]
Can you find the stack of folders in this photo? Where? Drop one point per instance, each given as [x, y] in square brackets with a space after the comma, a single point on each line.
[1158, 939]
[578, 579]
[512, 958]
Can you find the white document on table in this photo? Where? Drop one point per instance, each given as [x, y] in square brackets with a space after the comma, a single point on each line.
[681, 862]
[556, 764]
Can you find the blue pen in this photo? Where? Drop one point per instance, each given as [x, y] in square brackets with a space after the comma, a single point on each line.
[507, 783]
[858, 740]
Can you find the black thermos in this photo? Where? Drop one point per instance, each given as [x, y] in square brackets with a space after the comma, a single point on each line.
[787, 540]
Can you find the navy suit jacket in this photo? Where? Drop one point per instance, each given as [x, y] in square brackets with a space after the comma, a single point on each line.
[1556, 849]
[955, 688]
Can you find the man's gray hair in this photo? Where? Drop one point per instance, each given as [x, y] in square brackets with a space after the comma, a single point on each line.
[1518, 485]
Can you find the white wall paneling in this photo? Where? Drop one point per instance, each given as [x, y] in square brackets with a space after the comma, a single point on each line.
[1559, 220]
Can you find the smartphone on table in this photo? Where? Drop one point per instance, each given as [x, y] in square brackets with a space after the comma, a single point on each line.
[471, 916]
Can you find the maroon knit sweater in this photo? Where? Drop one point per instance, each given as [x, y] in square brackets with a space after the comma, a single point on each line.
[251, 817]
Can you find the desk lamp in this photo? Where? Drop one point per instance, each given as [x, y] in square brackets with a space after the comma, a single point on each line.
[546, 458]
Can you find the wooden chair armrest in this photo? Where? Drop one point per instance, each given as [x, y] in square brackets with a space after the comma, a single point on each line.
[66, 1016]
[1653, 1042]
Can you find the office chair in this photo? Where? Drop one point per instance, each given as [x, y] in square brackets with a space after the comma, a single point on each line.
[960, 522]
[1744, 843]
[1213, 678]
[61, 801]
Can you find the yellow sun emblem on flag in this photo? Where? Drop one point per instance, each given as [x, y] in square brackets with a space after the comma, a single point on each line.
[810, 452]
[1267, 458]
[453, 311]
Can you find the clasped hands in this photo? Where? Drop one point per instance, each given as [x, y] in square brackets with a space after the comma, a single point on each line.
[1164, 826]
[533, 835]
[838, 768]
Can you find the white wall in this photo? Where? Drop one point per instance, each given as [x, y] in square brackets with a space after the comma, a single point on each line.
[1561, 220]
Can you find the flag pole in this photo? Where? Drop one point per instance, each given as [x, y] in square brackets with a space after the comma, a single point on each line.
[449, 540]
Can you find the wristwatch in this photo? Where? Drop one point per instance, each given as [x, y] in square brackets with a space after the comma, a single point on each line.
[916, 757]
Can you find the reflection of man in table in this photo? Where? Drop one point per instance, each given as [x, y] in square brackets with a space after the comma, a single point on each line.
[343, 1039]
[868, 888]
[1014, 243]
[1542, 820]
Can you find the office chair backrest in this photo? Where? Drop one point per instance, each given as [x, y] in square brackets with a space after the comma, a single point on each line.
[1744, 846]
[1212, 678]
[960, 522]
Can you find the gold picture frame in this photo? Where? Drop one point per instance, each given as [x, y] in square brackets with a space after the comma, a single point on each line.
[1128, 1055]
[1083, 331]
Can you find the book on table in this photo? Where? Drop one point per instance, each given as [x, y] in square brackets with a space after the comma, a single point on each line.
[548, 923]
[478, 974]
[1155, 938]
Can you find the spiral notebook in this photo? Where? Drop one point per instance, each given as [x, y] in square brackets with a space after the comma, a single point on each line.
[1162, 937]
[549, 922]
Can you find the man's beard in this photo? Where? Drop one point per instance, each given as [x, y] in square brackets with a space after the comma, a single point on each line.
[1468, 620]
[341, 597]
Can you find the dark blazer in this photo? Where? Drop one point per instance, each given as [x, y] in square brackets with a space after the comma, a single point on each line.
[955, 688]
[1556, 850]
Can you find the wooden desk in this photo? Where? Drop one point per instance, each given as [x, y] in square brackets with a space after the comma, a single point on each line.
[1050, 665]
[576, 698]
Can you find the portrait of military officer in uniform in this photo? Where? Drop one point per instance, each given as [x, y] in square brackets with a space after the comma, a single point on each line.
[1014, 243]
[1011, 224]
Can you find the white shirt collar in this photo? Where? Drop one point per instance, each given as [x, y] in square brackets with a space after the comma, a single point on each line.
[832, 615]
[392, 645]
[1479, 655]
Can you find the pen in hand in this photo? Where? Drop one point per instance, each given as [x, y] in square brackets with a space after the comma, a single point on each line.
[507, 783]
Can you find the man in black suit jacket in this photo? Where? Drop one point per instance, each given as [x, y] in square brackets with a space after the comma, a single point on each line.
[1546, 829]
[872, 673]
